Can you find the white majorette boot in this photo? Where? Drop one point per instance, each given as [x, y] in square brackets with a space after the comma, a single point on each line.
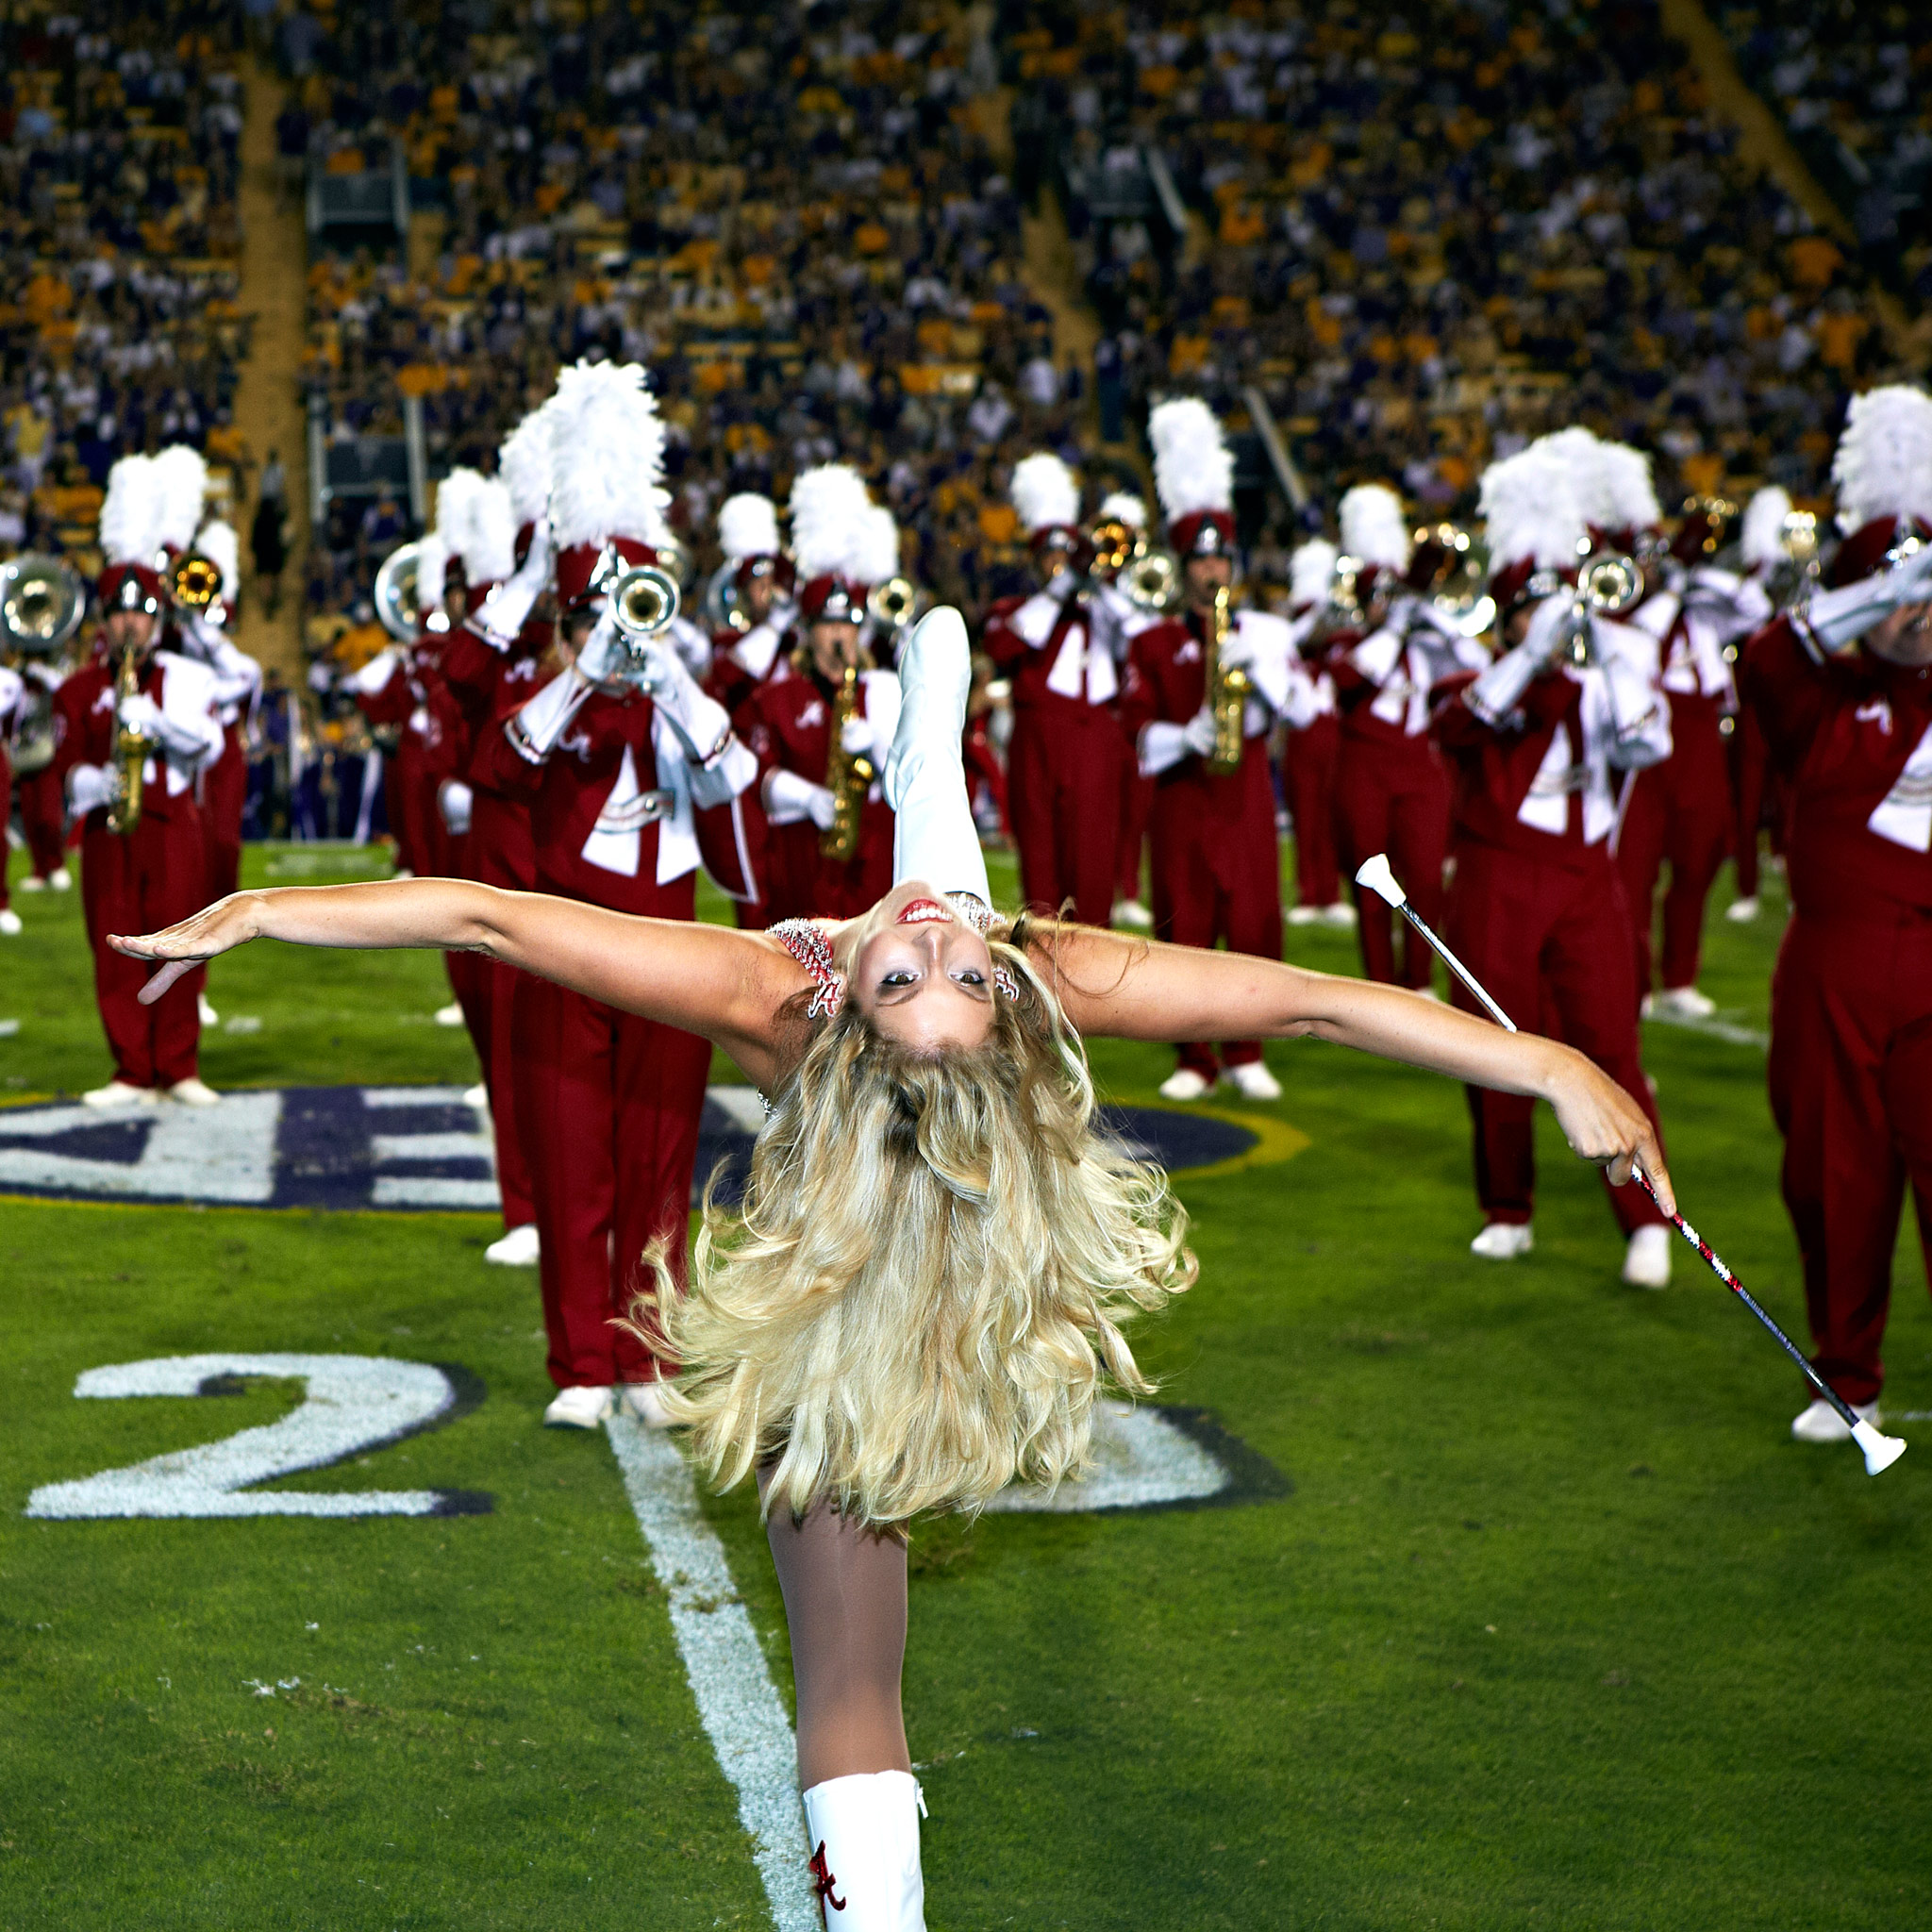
[864, 1833]
[933, 836]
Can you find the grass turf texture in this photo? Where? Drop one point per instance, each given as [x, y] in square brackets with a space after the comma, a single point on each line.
[1558, 1626]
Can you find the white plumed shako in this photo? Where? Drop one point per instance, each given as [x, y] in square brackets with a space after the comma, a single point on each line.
[747, 527]
[1374, 529]
[1193, 467]
[1883, 467]
[1046, 493]
[1530, 512]
[1761, 541]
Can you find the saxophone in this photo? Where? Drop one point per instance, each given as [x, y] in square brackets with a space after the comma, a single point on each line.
[1227, 694]
[131, 749]
[848, 776]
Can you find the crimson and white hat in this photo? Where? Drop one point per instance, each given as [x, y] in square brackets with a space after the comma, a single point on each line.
[1534, 524]
[1376, 533]
[523, 465]
[835, 538]
[1124, 507]
[1761, 541]
[477, 518]
[607, 458]
[1882, 473]
[748, 535]
[1310, 573]
[181, 494]
[130, 536]
[1046, 498]
[1193, 476]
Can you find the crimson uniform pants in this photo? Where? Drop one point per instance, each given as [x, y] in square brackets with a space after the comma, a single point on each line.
[1137, 802]
[1751, 786]
[1218, 877]
[139, 883]
[1063, 789]
[224, 797]
[1851, 1091]
[1680, 810]
[500, 853]
[1553, 946]
[43, 821]
[1394, 799]
[611, 1128]
[1307, 771]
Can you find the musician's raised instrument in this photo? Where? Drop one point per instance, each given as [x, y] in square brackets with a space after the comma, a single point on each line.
[848, 775]
[41, 604]
[395, 593]
[132, 749]
[1608, 584]
[1228, 686]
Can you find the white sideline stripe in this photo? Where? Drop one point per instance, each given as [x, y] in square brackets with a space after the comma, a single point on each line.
[413, 1096]
[1139, 1458]
[226, 1152]
[738, 1703]
[432, 1191]
[1717, 1029]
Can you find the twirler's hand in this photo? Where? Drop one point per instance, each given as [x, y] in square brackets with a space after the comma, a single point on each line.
[217, 928]
[1603, 1124]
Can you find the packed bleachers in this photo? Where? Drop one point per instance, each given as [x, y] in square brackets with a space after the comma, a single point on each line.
[1852, 82]
[1430, 232]
[119, 151]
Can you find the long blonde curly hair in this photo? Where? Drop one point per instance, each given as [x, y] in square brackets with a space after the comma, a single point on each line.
[923, 1289]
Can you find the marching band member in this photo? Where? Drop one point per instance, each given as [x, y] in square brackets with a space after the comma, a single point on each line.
[1216, 853]
[1391, 792]
[1113, 607]
[1538, 744]
[1682, 809]
[160, 860]
[12, 701]
[489, 666]
[821, 732]
[36, 783]
[1843, 686]
[627, 768]
[1064, 762]
[1762, 549]
[743, 657]
[1309, 754]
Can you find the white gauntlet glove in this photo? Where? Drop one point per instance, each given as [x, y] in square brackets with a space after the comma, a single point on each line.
[601, 656]
[790, 799]
[1833, 621]
[535, 730]
[1500, 688]
[89, 787]
[507, 608]
[1198, 733]
[140, 713]
[700, 723]
[453, 800]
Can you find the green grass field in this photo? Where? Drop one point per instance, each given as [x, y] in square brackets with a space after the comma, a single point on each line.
[1555, 1627]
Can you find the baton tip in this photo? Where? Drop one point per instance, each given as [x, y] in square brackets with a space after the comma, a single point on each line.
[1880, 1450]
[1377, 877]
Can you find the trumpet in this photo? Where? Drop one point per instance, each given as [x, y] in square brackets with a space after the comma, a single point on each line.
[131, 750]
[1608, 584]
[41, 604]
[1114, 544]
[395, 593]
[195, 582]
[1150, 580]
[848, 776]
[1227, 694]
[892, 602]
[644, 602]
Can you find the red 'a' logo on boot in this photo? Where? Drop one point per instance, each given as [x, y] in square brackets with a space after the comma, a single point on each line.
[824, 1881]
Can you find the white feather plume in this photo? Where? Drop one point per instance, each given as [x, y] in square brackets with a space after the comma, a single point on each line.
[1123, 505]
[1311, 570]
[1193, 467]
[747, 527]
[181, 481]
[432, 570]
[1761, 538]
[1883, 467]
[218, 543]
[454, 495]
[828, 503]
[490, 540]
[875, 551]
[524, 463]
[1374, 529]
[607, 444]
[1624, 485]
[131, 512]
[1530, 510]
[1044, 492]
[1579, 455]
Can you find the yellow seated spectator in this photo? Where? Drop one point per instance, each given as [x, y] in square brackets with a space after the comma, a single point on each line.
[345, 161]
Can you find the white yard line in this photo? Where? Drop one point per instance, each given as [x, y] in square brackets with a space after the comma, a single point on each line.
[736, 1701]
[1717, 1029]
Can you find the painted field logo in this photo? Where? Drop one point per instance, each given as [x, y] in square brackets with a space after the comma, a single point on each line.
[408, 1148]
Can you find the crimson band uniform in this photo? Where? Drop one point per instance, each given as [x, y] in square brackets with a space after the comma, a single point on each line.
[148, 879]
[42, 819]
[1216, 858]
[1310, 758]
[1683, 810]
[12, 701]
[786, 723]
